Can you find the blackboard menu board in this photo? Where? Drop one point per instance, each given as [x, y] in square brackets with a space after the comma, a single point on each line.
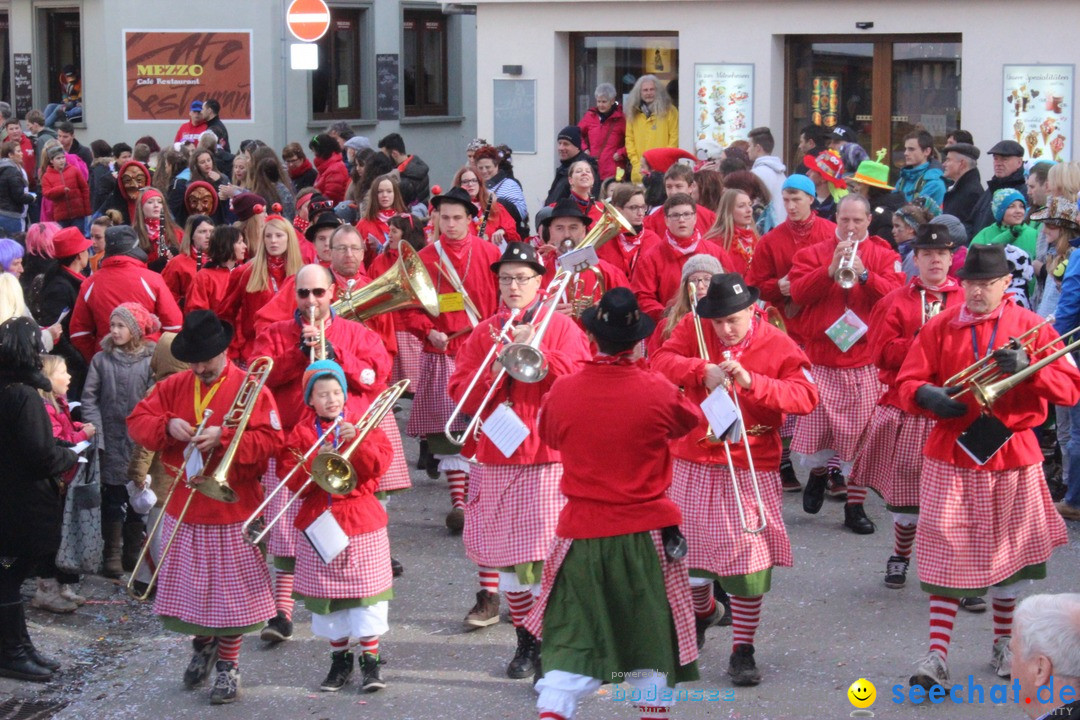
[515, 114]
[386, 87]
[24, 89]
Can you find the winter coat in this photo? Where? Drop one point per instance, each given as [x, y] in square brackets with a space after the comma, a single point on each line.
[982, 215]
[604, 138]
[961, 198]
[333, 177]
[68, 191]
[218, 128]
[772, 172]
[101, 181]
[59, 293]
[13, 189]
[117, 381]
[644, 133]
[921, 181]
[560, 186]
[32, 510]
[414, 180]
[304, 176]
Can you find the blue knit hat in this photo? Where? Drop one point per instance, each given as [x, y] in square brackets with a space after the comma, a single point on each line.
[322, 369]
[800, 182]
[1003, 198]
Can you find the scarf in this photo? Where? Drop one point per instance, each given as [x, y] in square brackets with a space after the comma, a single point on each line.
[740, 347]
[153, 228]
[647, 111]
[743, 242]
[275, 270]
[528, 314]
[966, 318]
[802, 228]
[384, 216]
[950, 285]
[687, 246]
[583, 205]
[625, 359]
[300, 224]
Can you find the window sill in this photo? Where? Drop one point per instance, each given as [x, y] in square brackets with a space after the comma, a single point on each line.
[433, 120]
[353, 122]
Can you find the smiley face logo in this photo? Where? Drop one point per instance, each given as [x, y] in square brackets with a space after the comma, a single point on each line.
[862, 693]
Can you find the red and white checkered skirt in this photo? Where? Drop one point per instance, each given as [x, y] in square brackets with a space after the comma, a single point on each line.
[407, 359]
[848, 398]
[979, 527]
[432, 405]
[714, 535]
[890, 456]
[281, 542]
[676, 583]
[396, 476]
[511, 513]
[361, 570]
[213, 578]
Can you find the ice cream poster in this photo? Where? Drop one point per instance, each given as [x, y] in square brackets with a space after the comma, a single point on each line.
[723, 104]
[1038, 110]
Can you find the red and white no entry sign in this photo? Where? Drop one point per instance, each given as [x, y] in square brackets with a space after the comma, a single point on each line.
[308, 20]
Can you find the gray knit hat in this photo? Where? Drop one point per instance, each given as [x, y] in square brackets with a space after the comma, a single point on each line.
[954, 226]
[701, 263]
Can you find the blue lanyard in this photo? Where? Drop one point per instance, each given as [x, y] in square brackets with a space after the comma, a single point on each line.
[337, 441]
[989, 346]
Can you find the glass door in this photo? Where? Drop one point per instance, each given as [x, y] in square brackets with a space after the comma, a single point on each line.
[926, 92]
[833, 86]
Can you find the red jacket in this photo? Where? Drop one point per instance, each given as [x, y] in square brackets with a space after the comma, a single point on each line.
[565, 348]
[472, 259]
[119, 279]
[63, 426]
[29, 160]
[207, 289]
[657, 222]
[658, 274]
[824, 301]
[333, 177]
[611, 276]
[356, 512]
[179, 273]
[605, 140]
[618, 253]
[943, 349]
[615, 493]
[175, 397]
[68, 191]
[241, 308]
[500, 220]
[781, 385]
[358, 350]
[895, 322]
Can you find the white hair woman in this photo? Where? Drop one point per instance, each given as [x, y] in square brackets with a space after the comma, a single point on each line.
[603, 131]
[651, 121]
[1046, 654]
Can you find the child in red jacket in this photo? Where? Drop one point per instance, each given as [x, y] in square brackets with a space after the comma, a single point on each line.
[66, 187]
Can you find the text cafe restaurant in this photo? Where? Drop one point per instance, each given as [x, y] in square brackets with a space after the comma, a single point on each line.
[384, 66]
[998, 69]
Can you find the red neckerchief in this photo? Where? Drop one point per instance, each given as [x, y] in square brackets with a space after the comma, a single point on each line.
[527, 315]
[743, 242]
[629, 247]
[153, 228]
[583, 204]
[79, 276]
[802, 228]
[384, 216]
[275, 270]
[300, 224]
[687, 246]
[966, 318]
[625, 358]
[740, 347]
[950, 285]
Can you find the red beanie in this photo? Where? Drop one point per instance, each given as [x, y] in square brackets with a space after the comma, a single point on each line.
[660, 159]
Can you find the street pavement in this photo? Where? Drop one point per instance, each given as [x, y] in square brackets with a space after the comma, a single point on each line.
[828, 621]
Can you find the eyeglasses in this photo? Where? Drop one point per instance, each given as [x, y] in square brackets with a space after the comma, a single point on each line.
[347, 250]
[472, 181]
[635, 208]
[681, 216]
[304, 293]
[519, 280]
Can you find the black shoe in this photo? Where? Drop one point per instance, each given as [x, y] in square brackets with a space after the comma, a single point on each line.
[226, 684]
[16, 651]
[278, 629]
[722, 597]
[134, 533]
[524, 663]
[704, 623]
[199, 668]
[431, 466]
[43, 660]
[455, 521]
[973, 604]
[341, 669]
[742, 668]
[422, 458]
[855, 520]
[369, 667]
[396, 568]
[896, 572]
[788, 481]
[813, 496]
[837, 486]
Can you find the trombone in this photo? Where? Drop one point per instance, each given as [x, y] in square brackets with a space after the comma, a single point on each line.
[845, 269]
[474, 421]
[984, 370]
[330, 470]
[703, 350]
[987, 393]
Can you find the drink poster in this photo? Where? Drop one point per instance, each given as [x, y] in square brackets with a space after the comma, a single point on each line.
[1038, 111]
[723, 104]
[825, 100]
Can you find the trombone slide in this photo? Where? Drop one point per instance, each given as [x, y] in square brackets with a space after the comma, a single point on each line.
[474, 421]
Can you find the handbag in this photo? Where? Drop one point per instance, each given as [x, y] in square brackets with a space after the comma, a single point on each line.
[81, 543]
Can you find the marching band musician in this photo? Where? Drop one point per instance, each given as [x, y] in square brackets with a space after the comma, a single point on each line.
[514, 498]
[348, 596]
[625, 250]
[990, 508]
[833, 322]
[607, 570]
[457, 260]
[770, 376]
[212, 584]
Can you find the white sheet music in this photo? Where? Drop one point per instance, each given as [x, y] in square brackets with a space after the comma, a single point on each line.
[194, 464]
[579, 260]
[719, 410]
[327, 537]
[505, 429]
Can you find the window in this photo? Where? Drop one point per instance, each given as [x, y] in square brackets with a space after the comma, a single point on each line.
[63, 47]
[335, 86]
[423, 45]
[618, 59]
[5, 53]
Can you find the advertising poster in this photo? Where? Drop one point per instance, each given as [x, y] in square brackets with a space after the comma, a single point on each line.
[1038, 110]
[165, 71]
[723, 105]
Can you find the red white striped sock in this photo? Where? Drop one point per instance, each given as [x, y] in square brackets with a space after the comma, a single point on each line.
[283, 587]
[835, 463]
[904, 538]
[942, 616]
[458, 480]
[228, 648]
[745, 618]
[338, 645]
[520, 604]
[370, 645]
[551, 715]
[1003, 616]
[489, 580]
[652, 712]
[856, 494]
[704, 602]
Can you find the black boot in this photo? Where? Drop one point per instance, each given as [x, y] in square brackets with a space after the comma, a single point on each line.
[722, 597]
[421, 460]
[396, 568]
[341, 669]
[524, 663]
[855, 520]
[43, 660]
[113, 534]
[133, 534]
[202, 661]
[278, 629]
[16, 658]
[742, 668]
[813, 496]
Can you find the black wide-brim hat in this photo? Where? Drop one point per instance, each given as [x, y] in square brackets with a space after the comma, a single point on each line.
[933, 237]
[455, 195]
[519, 252]
[985, 262]
[567, 208]
[204, 336]
[728, 294]
[324, 220]
[617, 318]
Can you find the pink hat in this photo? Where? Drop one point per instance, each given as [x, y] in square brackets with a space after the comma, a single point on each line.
[140, 321]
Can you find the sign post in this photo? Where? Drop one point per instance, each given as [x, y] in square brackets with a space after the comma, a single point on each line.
[307, 20]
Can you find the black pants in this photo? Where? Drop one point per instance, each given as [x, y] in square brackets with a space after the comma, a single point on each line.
[115, 506]
[13, 571]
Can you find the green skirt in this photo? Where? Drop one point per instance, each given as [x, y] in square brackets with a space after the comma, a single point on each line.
[1031, 572]
[176, 625]
[608, 613]
[325, 606]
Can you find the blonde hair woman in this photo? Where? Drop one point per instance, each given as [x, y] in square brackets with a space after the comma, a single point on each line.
[651, 121]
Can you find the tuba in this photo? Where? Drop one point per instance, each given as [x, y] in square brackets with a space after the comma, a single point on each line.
[406, 285]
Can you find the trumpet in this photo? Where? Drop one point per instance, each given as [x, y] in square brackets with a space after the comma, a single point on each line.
[703, 350]
[981, 369]
[474, 421]
[317, 351]
[845, 269]
[929, 309]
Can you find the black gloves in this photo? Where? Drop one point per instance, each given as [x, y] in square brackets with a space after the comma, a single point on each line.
[1011, 360]
[306, 350]
[938, 400]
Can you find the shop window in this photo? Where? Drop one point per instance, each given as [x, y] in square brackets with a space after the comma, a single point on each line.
[62, 40]
[423, 52]
[335, 86]
[620, 60]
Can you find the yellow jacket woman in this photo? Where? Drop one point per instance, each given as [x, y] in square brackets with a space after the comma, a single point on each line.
[651, 121]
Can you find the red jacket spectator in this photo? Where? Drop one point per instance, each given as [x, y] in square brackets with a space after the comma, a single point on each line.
[68, 191]
[333, 177]
[604, 139]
